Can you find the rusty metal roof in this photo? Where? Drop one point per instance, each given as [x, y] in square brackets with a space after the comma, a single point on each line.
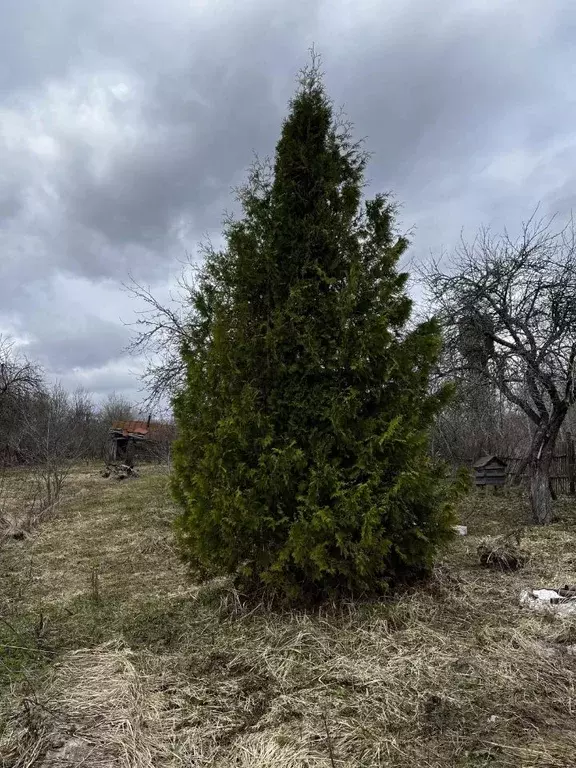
[154, 431]
[131, 427]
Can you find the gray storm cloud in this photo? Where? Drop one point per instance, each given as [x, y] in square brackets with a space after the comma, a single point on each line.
[123, 127]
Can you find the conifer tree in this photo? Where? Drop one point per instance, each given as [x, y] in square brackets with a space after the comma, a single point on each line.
[302, 461]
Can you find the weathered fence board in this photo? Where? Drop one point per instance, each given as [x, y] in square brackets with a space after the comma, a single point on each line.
[562, 471]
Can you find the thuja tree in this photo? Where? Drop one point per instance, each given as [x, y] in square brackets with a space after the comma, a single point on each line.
[302, 459]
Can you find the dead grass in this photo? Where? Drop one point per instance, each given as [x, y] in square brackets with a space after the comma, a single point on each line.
[135, 666]
[94, 711]
[23, 501]
[503, 553]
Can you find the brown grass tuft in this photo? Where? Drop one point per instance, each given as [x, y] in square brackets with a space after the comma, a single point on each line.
[93, 711]
[503, 553]
[160, 672]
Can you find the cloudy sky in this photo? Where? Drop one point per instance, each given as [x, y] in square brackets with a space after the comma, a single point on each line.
[124, 124]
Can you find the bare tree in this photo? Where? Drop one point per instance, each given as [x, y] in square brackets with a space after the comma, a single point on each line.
[84, 428]
[162, 331]
[116, 408]
[54, 443]
[20, 380]
[509, 309]
[163, 434]
[468, 428]
[17, 374]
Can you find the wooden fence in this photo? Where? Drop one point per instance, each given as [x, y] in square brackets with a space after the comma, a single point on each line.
[562, 472]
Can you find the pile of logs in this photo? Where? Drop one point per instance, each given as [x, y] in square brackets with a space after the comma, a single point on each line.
[119, 471]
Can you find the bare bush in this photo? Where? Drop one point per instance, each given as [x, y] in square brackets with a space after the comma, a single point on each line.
[54, 440]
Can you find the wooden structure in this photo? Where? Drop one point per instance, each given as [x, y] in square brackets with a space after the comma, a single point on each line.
[146, 437]
[562, 469]
[490, 471]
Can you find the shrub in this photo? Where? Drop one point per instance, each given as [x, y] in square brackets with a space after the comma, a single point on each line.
[302, 460]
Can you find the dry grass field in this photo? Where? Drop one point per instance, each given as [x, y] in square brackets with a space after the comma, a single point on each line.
[110, 656]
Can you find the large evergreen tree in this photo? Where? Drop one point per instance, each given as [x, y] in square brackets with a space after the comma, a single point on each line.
[302, 460]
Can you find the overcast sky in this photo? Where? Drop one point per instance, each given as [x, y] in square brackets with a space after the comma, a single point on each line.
[124, 124]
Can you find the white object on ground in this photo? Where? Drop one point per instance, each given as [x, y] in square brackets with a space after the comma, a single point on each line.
[461, 529]
[548, 601]
[545, 594]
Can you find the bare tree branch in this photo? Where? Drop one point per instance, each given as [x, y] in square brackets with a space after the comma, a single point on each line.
[515, 298]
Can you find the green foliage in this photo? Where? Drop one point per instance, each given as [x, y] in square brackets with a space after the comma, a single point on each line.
[463, 482]
[302, 459]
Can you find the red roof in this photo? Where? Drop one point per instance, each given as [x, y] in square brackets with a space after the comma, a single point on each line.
[131, 427]
[155, 431]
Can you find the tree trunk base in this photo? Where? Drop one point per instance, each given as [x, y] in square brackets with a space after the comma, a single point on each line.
[541, 498]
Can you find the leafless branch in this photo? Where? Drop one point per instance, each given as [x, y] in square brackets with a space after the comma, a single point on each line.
[509, 309]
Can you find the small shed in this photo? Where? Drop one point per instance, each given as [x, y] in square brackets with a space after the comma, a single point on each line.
[128, 436]
[490, 471]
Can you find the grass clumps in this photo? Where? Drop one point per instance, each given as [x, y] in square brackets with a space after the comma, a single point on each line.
[503, 553]
[160, 671]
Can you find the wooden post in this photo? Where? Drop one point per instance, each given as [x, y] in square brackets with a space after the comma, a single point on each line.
[130, 451]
